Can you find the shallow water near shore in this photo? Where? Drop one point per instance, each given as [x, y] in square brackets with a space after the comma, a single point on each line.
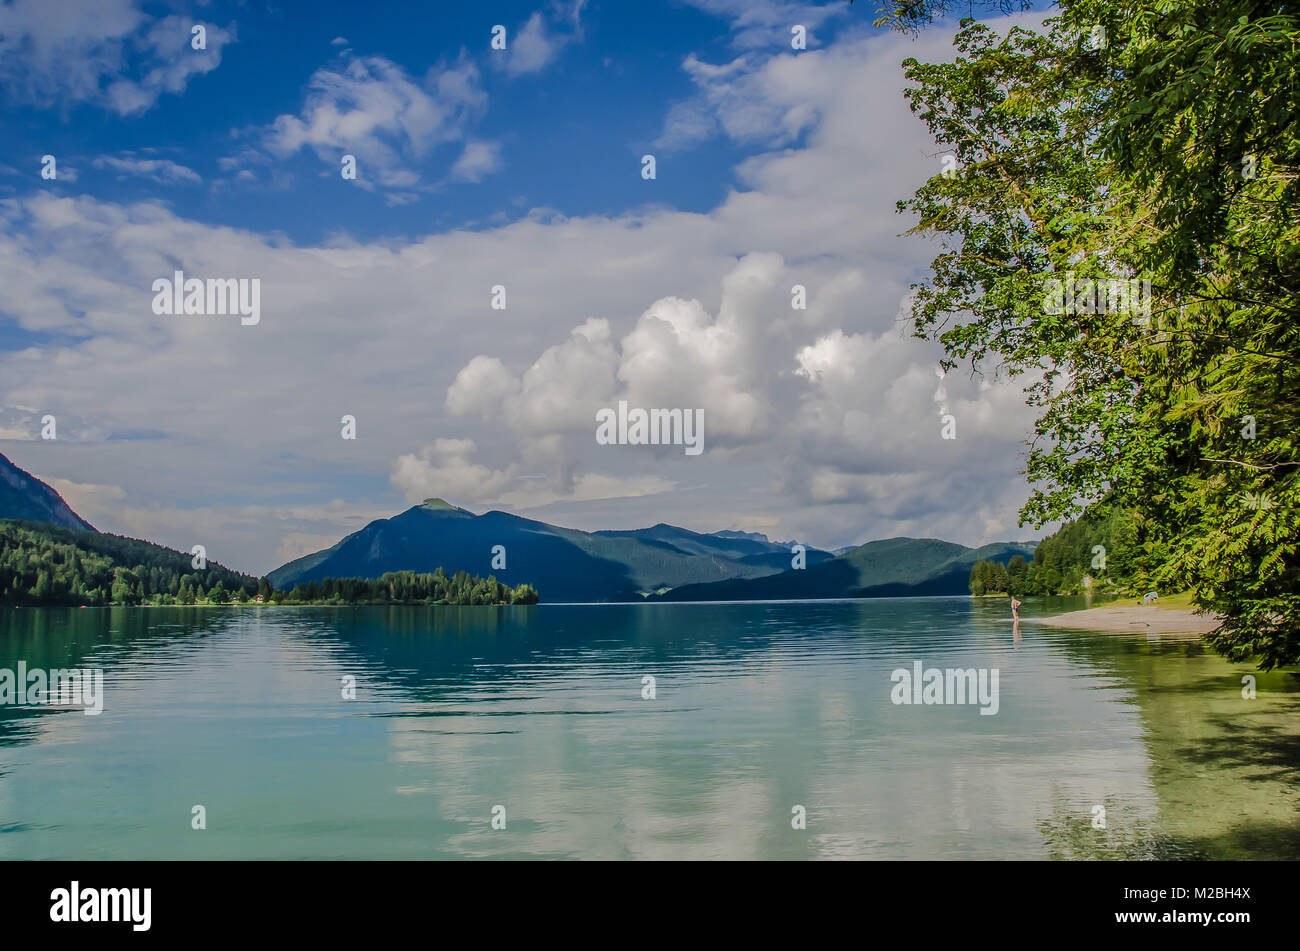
[758, 709]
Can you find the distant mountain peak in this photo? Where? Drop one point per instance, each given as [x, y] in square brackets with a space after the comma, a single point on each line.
[566, 564]
[442, 505]
[23, 496]
[887, 567]
[662, 562]
[750, 536]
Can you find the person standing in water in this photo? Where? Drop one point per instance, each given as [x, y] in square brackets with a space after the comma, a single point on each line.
[1015, 609]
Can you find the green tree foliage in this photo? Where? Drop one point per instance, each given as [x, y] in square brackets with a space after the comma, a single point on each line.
[1018, 575]
[523, 594]
[408, 587]
[909, 15]
[45, 564]
[1153, 141]
[1098, 552]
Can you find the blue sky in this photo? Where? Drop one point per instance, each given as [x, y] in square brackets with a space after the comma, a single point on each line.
[569, 133]
[776, 167]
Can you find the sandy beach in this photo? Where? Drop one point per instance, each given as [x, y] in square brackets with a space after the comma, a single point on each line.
[1134, 619]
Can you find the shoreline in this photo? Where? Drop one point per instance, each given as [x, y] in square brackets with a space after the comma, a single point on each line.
[1134, 619]
[271, 604]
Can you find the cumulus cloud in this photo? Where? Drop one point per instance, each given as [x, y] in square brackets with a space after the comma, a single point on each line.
[844, 413]
[874, 408]
[552, 394]
[445, 468]
[821, 424]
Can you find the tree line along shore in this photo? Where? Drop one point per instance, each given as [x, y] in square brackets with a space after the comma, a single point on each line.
[44, 565]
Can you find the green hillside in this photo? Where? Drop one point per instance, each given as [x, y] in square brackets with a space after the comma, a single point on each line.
[565, 564]
[46, 564]
[1101, 551]
[892, 567]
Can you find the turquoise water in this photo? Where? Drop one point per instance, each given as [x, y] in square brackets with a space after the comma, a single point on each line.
[758, 709]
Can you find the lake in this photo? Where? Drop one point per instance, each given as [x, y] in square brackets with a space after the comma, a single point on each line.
[762, 715]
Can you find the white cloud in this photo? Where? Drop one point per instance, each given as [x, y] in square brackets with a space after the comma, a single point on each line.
[371, 108]
[108, 53]
[162, 171]
[532, 49]
[172, 62]
[768, 100]
[477, 162]
[838, 411]
[27, 423]
[538, 43]
[444, 468]
[767, 23]
[482, 386]
[235, 536]
[820, 424]
[87, 499]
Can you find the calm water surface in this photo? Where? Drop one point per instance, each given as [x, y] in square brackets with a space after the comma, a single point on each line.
[758, 708]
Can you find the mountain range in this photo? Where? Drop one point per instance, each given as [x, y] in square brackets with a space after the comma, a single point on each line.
[659, 563]
[564, 564]
[891, 567]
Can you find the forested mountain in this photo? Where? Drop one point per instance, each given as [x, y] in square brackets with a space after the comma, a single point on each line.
[891, 567]
[1100, 552]
[563, 563]
[46, 565]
